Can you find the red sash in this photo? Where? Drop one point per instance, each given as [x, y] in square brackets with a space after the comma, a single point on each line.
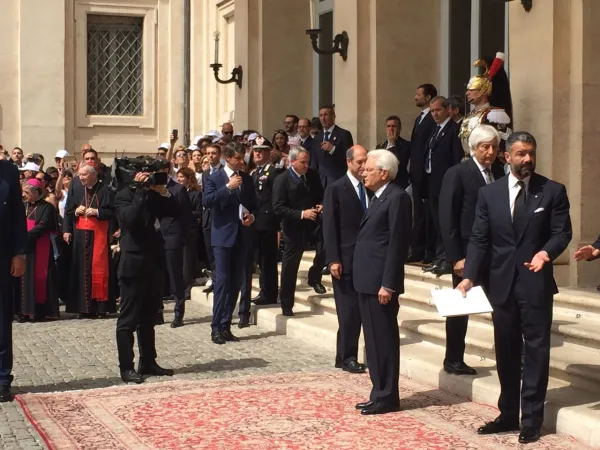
[100, 268]
[40, 270]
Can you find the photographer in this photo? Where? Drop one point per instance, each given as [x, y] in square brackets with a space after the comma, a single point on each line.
[138, 208]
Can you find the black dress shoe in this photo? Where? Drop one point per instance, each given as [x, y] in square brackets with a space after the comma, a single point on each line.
[443, 269]
[154, 369]
[414, 258]
[258, 298]
[318, 287]
[244, 322]
[364, 405]
[338, 363]
[498, 426]
[287, 313]
[21, 318]
[459, 368]
[177, 322]
[264, 302]
[354, 367]
[229, 337]
[429, 269]
[5, 394]
[217, 338]
[131, 376]
[325, 271]
[209, 289]
[375, 408]
[529, 435]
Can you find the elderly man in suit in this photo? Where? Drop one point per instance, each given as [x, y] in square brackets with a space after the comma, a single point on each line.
[13, 240]
[213, 151]
[522, 224]
[378, 276]
[457, 213]
[344, 206]
[328, 156]
[230, 195]
[399, 147]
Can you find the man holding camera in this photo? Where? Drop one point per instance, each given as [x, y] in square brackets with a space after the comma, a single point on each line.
[138, 209]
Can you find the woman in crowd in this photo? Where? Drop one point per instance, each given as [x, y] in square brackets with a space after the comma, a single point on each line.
[197, 163]
[39, 288]
[187, 177]
[63, 183]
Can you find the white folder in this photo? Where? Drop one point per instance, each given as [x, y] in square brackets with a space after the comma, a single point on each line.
[451, 303]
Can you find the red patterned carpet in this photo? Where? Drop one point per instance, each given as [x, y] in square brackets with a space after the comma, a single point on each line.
[286, 411]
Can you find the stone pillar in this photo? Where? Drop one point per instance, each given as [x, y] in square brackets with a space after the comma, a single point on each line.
[42, 76]
[10, 134]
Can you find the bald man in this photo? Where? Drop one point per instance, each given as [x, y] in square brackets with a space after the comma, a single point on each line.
[345, 203]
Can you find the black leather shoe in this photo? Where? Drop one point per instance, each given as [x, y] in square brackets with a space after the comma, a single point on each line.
[443, 269]
[154, 369]
[364, 405]
[498, 426]
[244, 322]
[325, 271]
[529, 435]
[177, 322]
[318, 287]
[131, 376]
[338, 363]
[429, 269]
[374, 408]
[354, 367]
[229, 337]
[459, 368]
[264, 302]
[258, 298]
[287, 313]
[217, 338]
[209, 289]
[5, 394]
[414, 258]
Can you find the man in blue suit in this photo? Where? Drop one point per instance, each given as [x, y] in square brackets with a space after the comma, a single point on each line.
[13, 239]
[230, 195]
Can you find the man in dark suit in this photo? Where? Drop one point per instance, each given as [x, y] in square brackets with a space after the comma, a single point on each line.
[522, 224]
[306, 139]
[230, 195]
[378, 274]
[399, 147]
[174, 230]
[138, 209]
[419, 141]
[444, 150]
[13, 240]
[297, 200]
[264, 233]
[213, 151]
[457, 213]
[345, 203]
[329, 148]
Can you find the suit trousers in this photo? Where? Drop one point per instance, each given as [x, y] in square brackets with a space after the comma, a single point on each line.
[456, 332]
[423, 229]
[140, 297]
[515, 321]
[382, 342]
[267, 250]
[190, 260]
[230, 264]
[246, 290]
[349, 323]
[7, 289]
[174, 260]
[435, 243]
[210, 255]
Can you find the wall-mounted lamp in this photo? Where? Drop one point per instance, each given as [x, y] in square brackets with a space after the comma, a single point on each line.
[340, 42]
[527, 4]
[237, 74]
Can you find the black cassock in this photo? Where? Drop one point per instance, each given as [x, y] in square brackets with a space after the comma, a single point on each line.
[39, 284]
[89, 290]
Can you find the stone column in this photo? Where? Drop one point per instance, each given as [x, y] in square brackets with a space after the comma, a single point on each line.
[10, 134]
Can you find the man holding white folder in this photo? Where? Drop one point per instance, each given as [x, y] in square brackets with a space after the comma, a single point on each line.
[522, 224]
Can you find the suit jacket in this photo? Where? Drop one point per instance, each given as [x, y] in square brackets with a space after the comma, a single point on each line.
[141, 243]
[13, 228]
[458, 199]
[547, 227]
[197, 209]
[174, 227]
[419, 140]
[446, 151]
[308, 145]
[342, 215]
[206, 212]
[331, 166]
[291, 196]
[266, 219]
[225, 207]
[402, 151]
[382, 243]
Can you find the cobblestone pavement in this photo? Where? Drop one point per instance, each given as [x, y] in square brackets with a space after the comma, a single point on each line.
[72, 354]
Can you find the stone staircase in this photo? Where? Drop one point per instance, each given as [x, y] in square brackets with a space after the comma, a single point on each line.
[573, 402]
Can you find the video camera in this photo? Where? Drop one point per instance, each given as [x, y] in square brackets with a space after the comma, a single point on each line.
[124, 170]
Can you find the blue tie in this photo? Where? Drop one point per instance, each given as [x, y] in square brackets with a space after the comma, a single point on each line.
[326, 136]
[362, 196]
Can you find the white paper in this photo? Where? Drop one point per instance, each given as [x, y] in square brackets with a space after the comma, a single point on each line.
[243, 212]
[450, 302]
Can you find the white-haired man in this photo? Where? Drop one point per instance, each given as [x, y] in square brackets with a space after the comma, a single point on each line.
[378, 275]
[458, 199]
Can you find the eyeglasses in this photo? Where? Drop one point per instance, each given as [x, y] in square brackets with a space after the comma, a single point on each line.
[288, 122]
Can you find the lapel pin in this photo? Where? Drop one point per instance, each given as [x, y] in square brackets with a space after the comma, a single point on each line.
[334, 138]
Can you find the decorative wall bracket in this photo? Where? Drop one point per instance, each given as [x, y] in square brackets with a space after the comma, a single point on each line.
[340, 43]
[237, 74]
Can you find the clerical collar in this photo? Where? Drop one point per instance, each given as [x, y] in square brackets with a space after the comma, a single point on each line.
[93, 185]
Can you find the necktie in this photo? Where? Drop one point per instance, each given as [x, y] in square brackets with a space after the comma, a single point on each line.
[362, 196]
[488, 176]
[434, 136]
[519, 209]
[303, 178]
[326, 136]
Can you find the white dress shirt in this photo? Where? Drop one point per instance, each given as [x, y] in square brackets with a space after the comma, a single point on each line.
[330, 131]
[433, 138]
[356, 183]
[424, 113]
[513, 190]
[482, 170]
